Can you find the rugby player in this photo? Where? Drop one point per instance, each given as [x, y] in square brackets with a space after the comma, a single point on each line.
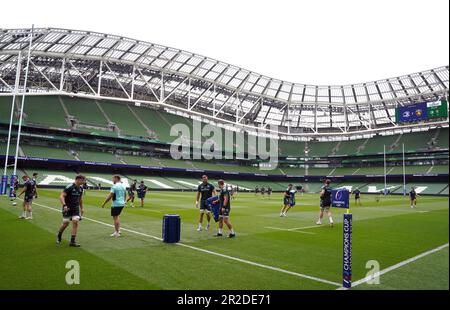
[325, 202]
[141, 191]
[85, 187]
[269, 191]
[225, 208]
[357, 194]
[300, 189]
[286, 200]
[35, 176]
[205, 190]
[233, 192]
[29, 190]
[72, 209]
[131, 190]
[256, 190]
[378, 195]
[118, 195]
[413, 197]
[263, 191]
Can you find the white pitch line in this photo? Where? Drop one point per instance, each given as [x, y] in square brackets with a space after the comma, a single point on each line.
[306, 227]
[300, 275]
[291, 230]
[147, 210]
[398, 265]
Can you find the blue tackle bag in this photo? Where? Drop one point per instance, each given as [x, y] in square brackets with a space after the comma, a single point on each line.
[214, 204]
[171, 228]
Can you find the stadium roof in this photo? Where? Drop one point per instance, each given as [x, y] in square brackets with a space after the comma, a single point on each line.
[103, 65]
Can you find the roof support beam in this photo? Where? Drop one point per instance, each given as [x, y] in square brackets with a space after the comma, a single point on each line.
[82, 78]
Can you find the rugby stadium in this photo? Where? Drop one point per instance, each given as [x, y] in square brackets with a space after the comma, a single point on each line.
[93, 104]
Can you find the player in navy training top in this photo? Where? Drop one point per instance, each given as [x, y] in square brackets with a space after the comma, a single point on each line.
[71, 200]
[357, 194]
[205, 190]
[29, 188]
[288, 200]
[131, 190]
[141, 191]
[225, 209]
[413, 197]
[325, 202]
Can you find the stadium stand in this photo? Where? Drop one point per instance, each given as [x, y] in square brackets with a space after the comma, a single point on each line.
[349, 147]
[62, 178]
[439, 169]
[37, 112]
[141, 160]
[46, 152]
[320, 149]
[103, 157]
[12, 148]
[292, 148]
[125, 120]
[143, 122]
[147, 160]
[85, 111]
[152, 120]
[5, 109]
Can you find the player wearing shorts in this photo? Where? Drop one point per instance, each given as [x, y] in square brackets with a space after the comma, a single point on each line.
[286, 200]
[131, 190]
[141, 191]
[29, 188]
[118, 195]
[204, 191]
[413, 197]
[263, 191]
[35, 177]
[225, 208]
[378, 195]
[357, 194]
[85, 187]
[325, 202]
[256, 190]
[233, 192]
[269, 191]
[72, 209]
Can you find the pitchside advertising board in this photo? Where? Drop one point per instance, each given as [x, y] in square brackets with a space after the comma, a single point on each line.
[340, 198]
[421, 111]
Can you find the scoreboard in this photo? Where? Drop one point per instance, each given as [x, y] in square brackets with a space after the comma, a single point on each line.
[421, 111]
[437, 109]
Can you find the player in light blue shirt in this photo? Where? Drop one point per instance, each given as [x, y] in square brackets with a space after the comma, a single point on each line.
[118, 195]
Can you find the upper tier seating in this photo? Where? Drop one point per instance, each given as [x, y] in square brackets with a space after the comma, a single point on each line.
[131, 120]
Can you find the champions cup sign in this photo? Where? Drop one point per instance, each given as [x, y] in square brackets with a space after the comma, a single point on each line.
[340, 198]
[347, 252]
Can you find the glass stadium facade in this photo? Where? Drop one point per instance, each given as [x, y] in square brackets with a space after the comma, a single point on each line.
[95, 65]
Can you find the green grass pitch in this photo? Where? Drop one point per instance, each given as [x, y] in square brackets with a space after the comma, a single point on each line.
[269, 252]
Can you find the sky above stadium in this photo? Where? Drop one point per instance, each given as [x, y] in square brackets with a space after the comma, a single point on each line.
[313, 42]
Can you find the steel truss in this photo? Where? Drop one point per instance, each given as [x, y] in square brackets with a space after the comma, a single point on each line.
[95, 65]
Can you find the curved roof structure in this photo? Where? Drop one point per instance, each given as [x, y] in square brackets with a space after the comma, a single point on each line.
[101, 65]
